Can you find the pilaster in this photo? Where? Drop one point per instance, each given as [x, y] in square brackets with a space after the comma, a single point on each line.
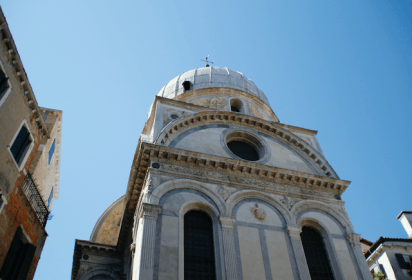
[294, 234]
[354, 240]
[229, 246]
[145, 241]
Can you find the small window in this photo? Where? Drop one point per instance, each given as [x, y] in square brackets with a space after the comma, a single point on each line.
[21, 145]
[174, 116]
[51, 151]
[19, 258]
[234, 109]
[187, 85]
[4, 84]
[236, 105]
[50, 197]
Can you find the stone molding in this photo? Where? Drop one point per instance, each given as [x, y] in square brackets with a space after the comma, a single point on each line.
[227, 222]
[282, 180]
[255, 178]
[150, 211]
[173, 129]
[294, 232]
[354, 239]
[303, 205]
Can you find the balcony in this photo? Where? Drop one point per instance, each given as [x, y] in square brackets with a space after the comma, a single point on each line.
[34, 197]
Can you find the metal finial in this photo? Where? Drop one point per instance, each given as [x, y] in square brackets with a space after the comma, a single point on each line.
[207, 61]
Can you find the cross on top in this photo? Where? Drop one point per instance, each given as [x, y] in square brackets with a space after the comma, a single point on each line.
[207, 61]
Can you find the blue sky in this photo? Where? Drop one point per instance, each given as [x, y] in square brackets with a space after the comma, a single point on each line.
[342, 68]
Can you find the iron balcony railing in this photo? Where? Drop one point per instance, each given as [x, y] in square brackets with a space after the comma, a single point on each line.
[34, 197]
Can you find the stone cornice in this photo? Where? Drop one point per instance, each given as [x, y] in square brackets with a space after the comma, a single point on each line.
[82, 245]
[175, 128]
[147, 152]
[13, 56]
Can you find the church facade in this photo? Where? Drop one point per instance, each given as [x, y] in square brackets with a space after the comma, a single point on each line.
[220, 189]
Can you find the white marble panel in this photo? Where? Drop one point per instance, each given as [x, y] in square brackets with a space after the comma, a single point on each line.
[245, 214]
[345, 259]
[278, 255]
[251, 254]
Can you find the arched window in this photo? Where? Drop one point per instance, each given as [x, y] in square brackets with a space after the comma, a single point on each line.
[198, 247]
[316, 255]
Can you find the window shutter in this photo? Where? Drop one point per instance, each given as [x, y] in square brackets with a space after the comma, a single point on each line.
[3, 83]
[12, 256]
[28, 258]
[402, 263]
[21, 144]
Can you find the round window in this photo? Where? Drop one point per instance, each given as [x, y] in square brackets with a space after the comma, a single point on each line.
[174, 116]
[243, 150]
[245, 145]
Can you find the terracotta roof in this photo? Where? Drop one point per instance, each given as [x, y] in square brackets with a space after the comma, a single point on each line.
[365, 241]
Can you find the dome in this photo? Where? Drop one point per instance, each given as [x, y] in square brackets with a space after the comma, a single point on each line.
[211, 77]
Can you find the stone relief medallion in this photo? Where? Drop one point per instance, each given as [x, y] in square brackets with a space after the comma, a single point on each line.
[218, 103]
[224, 192]
[287, 201]
[259, 212]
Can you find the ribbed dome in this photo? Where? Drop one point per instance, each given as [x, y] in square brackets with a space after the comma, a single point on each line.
[211, 77]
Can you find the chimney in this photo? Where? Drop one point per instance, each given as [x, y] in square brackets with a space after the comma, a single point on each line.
[405, 217]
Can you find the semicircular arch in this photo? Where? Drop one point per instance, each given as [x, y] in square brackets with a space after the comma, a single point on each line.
[176, 184]
[301, 206]
[238, 197]
[300, 146]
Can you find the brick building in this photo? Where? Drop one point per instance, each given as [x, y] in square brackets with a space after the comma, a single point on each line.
[30, 141]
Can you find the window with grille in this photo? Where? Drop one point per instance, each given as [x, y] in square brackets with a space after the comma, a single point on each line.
[199, 256]
[21, 145]
[51, 151]
[243, 150]
[316, 255]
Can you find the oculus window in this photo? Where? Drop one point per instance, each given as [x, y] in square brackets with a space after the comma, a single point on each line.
[243, 150]
[245, 145]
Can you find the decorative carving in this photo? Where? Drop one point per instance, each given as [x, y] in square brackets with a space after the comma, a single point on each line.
[287, 201]
[218, 103]
[245, 180]
[259, 212]
[224, 192]
[294, 232]
[152, 183]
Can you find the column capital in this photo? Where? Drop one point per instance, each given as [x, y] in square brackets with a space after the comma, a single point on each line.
[150, 210]
[294, 231]
[227, 222]
[354, 239]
